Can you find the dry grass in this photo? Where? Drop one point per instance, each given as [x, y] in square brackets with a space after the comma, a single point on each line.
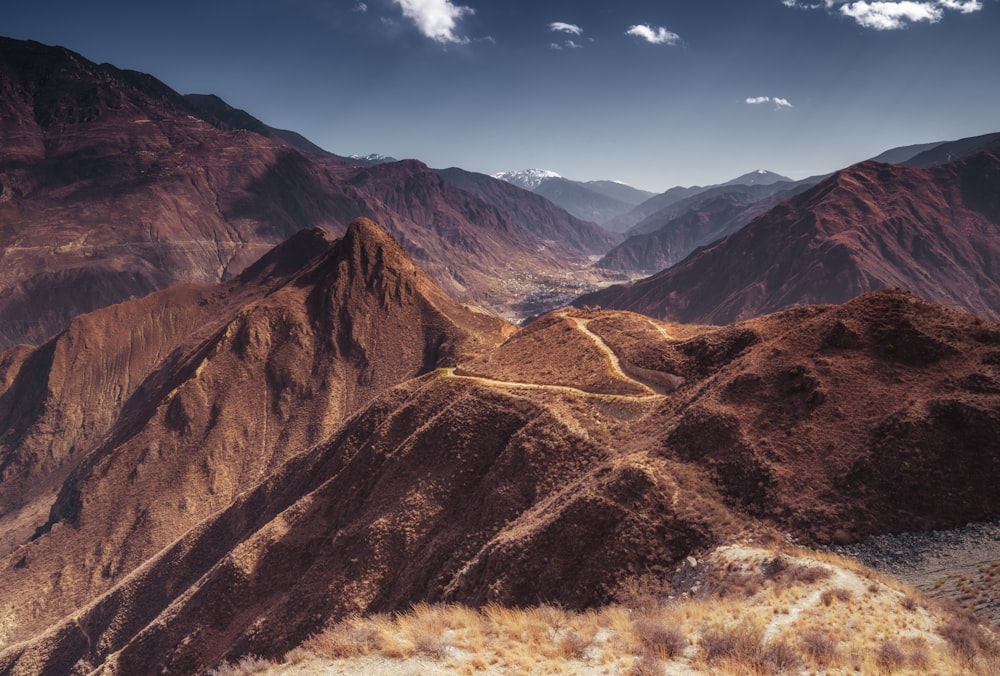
[764, 613]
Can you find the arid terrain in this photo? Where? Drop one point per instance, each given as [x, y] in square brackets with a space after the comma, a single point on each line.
[586, 453]
[266, 409]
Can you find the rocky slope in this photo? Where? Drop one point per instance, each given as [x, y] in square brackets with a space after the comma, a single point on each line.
[932, 231]
[146, 432]
[638, 445]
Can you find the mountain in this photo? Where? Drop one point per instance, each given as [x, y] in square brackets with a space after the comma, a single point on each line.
[537, 214]
[588, 452]
[672, 233]
[582, 201]
[372, 159]
[903, 154]
[954, 150]
[113, 186]
[529, 179]
[758, 177]
[145, 418]
[932, 231]
[647, 210]
[619, 191]
[222, 115]
[597, 201]
[500, 248]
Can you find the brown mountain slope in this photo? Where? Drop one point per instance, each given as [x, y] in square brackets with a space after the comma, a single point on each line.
[540, 216]
[503, 249]
[59, 400]
[932, 231]
[111, 189]
[670, 235]
[173, 433]
[484, 484]
[112, 186]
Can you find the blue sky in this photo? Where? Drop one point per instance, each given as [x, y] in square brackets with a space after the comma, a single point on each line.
[653, 93]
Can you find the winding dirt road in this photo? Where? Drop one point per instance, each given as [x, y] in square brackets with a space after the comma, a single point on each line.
[613, 362]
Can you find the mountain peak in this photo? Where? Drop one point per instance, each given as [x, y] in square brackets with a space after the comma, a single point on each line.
[529, 179]
[295, 253]
[372, 251]
[757, 177]
[373, 158]
[366, 233]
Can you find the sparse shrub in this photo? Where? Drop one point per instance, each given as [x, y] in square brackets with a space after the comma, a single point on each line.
[839, 594]
[782, 572]
[916, 653]
[891, 657]
[740, 642]
[664, 642]
[778, 657]
[573, 645]
[819, 646]
[967, 639]
[430, 645]
[806, 574]
[774, 567]
[909, 603]
[346, 639]
[644, 592]
[647, 665]
[250, 664]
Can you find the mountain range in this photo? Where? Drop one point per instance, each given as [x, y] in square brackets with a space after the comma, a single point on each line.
[113, 186]
[870, 226]
[598, 201]
[269, 463]
[253, 392]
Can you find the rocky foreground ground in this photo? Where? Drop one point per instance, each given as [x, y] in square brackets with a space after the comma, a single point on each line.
[962, 564]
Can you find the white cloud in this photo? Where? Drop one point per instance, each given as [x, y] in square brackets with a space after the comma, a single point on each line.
[965, 7]
[887, 16]
[566, 44]
[654, 36]
[436, 19]
[560, 27]
[360, 8]
[778, 102]
[884, 15]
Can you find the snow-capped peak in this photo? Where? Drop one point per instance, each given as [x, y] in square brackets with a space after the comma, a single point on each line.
[529, 179]
[758, 177]
[374, 158]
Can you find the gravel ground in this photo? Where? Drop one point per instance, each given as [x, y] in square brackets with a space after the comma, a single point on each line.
[962, 564]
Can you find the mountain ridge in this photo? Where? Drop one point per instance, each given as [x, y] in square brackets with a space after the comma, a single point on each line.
[112, 186]
[932, 231]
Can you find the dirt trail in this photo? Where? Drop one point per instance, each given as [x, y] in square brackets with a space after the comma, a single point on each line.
[616, 366]
[613, 361]
[659, 327]
[563, 389]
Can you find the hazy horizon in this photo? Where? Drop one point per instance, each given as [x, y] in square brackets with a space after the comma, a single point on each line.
[638, 92]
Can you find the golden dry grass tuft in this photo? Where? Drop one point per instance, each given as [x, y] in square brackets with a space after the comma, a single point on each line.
[760, 611]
